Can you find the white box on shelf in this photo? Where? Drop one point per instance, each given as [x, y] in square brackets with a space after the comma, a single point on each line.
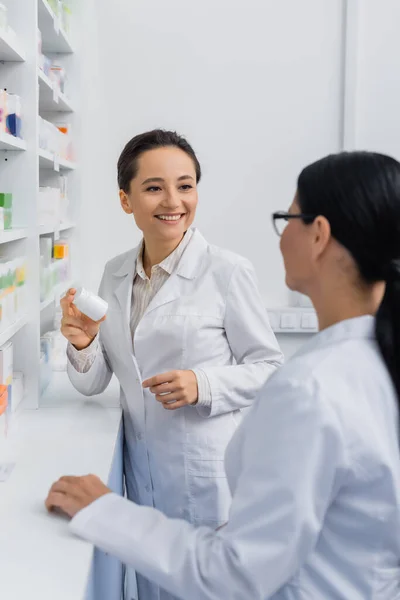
[6, 371]
[17, 390]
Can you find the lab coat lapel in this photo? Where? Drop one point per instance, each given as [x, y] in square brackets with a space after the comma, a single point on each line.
[188, 268]
[124, 277]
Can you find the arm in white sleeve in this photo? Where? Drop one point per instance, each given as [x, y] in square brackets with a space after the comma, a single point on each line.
[82, 360]
[92, 375]
[253, 344]
[204, 389]
[89, 370]
[292, 455]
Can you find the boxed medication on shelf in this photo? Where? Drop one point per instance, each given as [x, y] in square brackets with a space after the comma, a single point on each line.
[3, 411]
[65, 149]
[53, 205]
[46, 250]
[58, 77]
[66, 17]
[6, 372]
[10, 113]
[55, 139]
[6, 201]
[17, 390]
[12, 291]
[57, 345]
[49, 206]
[3, 17]
[53, 277]
[61, 249]
[13, 120]
[45, 366]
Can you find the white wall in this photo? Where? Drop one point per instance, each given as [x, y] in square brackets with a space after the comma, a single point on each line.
[377, 115]
[255, 86]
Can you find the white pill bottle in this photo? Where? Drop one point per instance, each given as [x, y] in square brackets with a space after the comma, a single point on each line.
[90, 305]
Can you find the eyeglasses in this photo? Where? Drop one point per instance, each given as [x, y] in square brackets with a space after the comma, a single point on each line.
[280, 219]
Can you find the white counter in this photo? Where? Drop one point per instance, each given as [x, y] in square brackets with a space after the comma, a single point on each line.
[39, 558]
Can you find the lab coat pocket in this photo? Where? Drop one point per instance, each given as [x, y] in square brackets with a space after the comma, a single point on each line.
[208, 489]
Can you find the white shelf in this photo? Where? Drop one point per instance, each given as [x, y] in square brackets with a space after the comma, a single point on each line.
[10, 49]
[54, 39]
[46, 161]
[59, 291]
[25, 167]
[49, 100]
[8, 333]
[10, 142]
[9, 235]
[46, 303]
[46, 229]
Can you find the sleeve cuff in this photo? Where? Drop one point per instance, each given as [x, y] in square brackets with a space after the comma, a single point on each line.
[79, 524]
[82, 360]
[204, 393]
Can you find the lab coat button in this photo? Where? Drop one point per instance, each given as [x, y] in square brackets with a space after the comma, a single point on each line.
[139, 436]
[147, 488]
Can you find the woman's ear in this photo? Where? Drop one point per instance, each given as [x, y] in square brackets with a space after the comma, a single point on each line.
[126, 207]
[321, 235]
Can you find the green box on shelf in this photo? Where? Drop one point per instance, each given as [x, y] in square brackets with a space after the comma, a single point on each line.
[6, 205]
[6, 200]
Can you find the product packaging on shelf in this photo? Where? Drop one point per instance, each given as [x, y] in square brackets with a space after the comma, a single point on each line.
[6, 377]
[12, 291]
[54, 268]
[64, 203]
[57, 345]
[56, 139]
[3, 17]
[61, 249]
[45, 365]
[13, 121]
[65, 141]
[17, 390]
[66, 17]
[20, 297]
[57, 77]
[3, 111]
[6, 201]
[3, 411]
[10, 113]
[49, 208]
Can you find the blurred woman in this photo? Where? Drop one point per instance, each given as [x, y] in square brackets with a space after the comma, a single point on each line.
[314, 469]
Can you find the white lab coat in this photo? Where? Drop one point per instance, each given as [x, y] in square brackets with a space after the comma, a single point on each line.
[208, 315]
[314, 472]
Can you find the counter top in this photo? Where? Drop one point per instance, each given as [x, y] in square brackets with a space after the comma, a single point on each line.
[39, 558]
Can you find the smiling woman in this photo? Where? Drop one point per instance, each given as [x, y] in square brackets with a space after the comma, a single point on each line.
[158, 175]
[186, 334]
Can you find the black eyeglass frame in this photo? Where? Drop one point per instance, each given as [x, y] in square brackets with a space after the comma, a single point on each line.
[282, 215]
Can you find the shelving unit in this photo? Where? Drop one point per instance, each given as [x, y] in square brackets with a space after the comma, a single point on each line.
[54, 37]
[11, 235]
[50, 100]
[24, 167]
[9, 333]
[46, 229]
[9, 142]
[10, 49]
[47, 160]
[58, 293]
